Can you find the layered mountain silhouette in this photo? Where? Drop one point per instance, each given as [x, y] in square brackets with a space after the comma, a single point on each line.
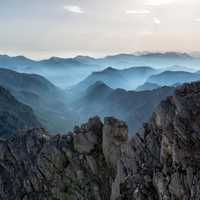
[47, 101]
[14, 115]
[127, 78]
[173, 77]
[147, 86]
[65, 72]
[133, 107]
[16, 63]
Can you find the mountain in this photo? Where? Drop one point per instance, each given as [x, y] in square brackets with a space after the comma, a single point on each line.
[179, 68]
[97, 91]
[134, 107]
[173, 77]
[14, 115]
[127, 78]
[65, 72]
[47, 101]
[16, 63]
[98, 161]
[152, 59]
[147, 86]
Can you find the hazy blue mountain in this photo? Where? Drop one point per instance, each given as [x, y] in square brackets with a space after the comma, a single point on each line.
[133, 107]
[16, 63]
[47, 101]
[98, 91]
[179, 68]
[127, 78]
[173, 77]
[65, 72]
[62, 62]
[147, 86]
[152, 59]
[14, 115]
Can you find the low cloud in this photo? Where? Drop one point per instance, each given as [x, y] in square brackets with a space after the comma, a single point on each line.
[74, 9]
[138, 12]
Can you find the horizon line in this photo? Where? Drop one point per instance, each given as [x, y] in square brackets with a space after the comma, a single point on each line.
[136, 53]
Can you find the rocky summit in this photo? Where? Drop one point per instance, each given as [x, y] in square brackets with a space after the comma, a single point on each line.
[97, 161]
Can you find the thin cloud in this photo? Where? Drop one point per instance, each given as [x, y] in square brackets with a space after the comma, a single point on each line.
[138, 12]
[156, 20]
[74, 9]
[158, 2]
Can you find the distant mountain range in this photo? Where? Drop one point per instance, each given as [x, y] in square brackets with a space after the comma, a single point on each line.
[173, 77]
[128, 78]
[48, 102]
[66, 72]
[99, 90]
[14, 115]
[147, 86]
[133, 107]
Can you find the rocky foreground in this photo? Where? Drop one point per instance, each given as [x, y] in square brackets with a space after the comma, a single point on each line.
[98, 161]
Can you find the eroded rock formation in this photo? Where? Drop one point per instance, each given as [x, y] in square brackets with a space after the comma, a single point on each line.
[98, 162]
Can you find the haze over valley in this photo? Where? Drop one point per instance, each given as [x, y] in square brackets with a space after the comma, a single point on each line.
[65, 92]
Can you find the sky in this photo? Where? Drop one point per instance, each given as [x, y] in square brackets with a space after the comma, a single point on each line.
[65, 28]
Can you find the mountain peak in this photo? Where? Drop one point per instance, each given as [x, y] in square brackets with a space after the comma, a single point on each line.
[110, 69]
[98, 88]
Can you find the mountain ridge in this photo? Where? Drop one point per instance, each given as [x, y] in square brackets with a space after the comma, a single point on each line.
[97, 161]
[130, 106]
[48, 101]
[14, 115]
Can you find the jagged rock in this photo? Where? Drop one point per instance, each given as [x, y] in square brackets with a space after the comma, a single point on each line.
[98, 162]
[36, 165]
[115, 133]
[167, 150]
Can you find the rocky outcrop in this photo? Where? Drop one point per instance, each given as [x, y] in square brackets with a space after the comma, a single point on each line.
[39, 166]
[98, 162]
[162, 160]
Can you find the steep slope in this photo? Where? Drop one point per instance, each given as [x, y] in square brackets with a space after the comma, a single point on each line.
[47, 101]
[98, 162]
[173, 77]
[127, 78]
[134, 107]
[14, 115]
[164, 160]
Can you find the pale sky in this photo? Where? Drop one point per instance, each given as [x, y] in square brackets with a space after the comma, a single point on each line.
[44, 28]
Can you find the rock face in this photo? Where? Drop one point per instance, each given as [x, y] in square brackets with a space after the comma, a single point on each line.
[35, 165]
[162, 160]
[98, 162]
